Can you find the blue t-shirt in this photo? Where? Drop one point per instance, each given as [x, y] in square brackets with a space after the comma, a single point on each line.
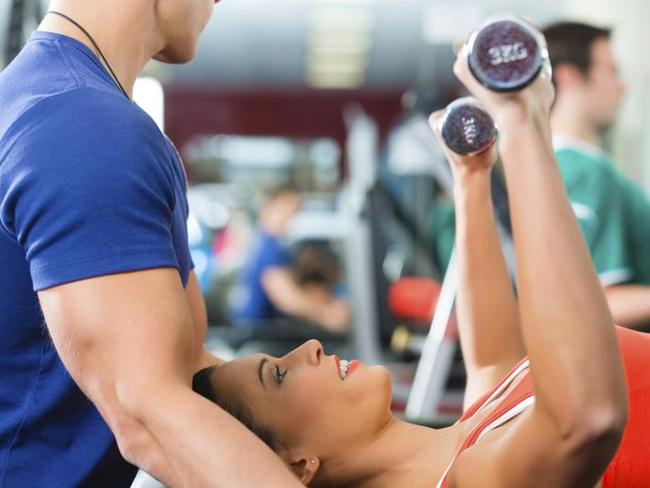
[266, 252]
[88, 187]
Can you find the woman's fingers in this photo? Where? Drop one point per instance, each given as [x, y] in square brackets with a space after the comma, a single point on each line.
[434, 123]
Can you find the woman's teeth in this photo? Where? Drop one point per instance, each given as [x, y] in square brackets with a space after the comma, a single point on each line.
[343, 368]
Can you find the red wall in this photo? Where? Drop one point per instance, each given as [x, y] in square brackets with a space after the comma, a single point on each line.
[296, 114]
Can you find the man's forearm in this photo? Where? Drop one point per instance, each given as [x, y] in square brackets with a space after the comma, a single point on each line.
[207, 359]
[288, 297]
[207, 447]
[630, 305]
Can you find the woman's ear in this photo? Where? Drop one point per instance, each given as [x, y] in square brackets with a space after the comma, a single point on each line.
[305, 468]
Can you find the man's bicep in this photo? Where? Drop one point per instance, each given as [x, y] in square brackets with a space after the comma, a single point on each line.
[283, 291]
[126, 330]
[197, 310]
[203, 357]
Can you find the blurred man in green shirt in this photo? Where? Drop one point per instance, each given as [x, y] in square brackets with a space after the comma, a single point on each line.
[613, 212]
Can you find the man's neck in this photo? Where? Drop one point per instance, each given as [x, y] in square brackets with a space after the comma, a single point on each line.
[567, 121]
[126, 34]
[403, 455]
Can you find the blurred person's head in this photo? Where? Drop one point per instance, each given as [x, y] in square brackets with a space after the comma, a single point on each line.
[585, 74]
[280, 205]
[318, 417]
[316, 266]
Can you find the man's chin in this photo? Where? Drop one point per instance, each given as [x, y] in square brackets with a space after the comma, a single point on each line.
[174, 57]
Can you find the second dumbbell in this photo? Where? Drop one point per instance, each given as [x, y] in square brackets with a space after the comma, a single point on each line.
[467, 128]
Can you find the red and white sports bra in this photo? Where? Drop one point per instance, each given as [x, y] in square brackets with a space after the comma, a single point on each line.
[630, 467]
[517, 401]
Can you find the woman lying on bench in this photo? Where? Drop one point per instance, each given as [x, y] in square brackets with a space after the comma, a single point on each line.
[546, 399]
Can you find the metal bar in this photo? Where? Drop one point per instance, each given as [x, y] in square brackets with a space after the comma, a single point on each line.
[435, 362]
[360, 266]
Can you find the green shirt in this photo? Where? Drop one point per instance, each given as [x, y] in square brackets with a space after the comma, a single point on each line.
[613, 213]
[443, 228]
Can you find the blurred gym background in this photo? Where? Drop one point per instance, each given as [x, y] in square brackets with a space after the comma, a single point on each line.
[327, 97]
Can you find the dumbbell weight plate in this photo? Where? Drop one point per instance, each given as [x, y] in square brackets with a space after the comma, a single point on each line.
[467, 128]
[506, 53]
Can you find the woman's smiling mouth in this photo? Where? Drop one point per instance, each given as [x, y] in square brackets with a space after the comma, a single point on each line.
[345, 368]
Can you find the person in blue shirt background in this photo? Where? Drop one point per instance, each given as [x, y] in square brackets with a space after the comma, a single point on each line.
[269, 286]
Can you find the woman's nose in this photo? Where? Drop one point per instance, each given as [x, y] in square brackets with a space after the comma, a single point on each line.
[313, 350]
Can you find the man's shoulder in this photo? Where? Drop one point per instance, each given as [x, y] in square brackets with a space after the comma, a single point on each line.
[268, 242]
[593, 168]
[80, 116]
[83, 133]
[586, 169]
[579, 160]
[80, 104]
[40, 84]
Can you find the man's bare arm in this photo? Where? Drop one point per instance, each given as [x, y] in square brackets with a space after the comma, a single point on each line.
[287, 296]
[204, 358]
[128, 342]
[630, 305]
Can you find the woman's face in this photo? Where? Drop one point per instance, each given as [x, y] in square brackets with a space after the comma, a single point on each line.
[309, 401]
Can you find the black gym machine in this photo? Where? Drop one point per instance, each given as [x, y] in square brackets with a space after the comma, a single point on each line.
[18, 18]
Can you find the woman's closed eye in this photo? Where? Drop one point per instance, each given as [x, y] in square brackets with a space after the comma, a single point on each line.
[279, 374]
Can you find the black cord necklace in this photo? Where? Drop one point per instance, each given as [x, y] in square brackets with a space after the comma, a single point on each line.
[115, 78]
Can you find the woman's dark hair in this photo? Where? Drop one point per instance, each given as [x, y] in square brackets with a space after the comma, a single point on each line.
[201, 384]
[572, 42]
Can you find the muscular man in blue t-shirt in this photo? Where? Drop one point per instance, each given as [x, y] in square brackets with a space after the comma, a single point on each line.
[101, 318]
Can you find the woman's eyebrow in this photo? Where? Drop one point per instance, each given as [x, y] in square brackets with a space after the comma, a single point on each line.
[260, 370]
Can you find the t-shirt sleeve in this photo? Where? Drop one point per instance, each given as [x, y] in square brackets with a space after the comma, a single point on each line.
[273, 254]
[599, 203]
[92, 190]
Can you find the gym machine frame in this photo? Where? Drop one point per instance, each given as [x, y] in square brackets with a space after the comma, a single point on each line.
[18, 19]
[441, 344]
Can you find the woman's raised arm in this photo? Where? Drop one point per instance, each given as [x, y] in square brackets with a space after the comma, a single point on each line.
[486, 308]
[570, 435]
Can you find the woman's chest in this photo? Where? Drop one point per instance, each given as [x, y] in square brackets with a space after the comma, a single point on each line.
[482, 419]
